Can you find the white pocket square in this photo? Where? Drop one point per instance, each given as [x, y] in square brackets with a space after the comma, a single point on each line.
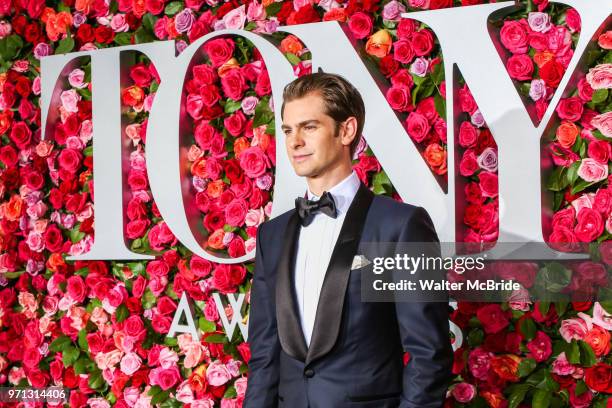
[359, 261]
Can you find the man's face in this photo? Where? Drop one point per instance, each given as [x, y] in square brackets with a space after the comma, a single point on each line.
[311, 141]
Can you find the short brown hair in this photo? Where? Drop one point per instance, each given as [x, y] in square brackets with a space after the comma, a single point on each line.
[341, 99]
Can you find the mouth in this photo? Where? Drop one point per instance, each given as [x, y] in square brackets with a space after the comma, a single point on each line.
[298, 158]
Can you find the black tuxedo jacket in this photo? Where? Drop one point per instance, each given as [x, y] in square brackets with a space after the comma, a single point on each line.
[356, 349]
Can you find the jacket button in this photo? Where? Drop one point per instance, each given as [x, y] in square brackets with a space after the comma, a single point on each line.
[309, 373]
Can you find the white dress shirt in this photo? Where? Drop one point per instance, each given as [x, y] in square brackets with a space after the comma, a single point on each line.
[315, 246]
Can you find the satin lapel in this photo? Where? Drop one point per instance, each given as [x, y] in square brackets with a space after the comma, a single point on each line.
[288, 321]
[331, 300]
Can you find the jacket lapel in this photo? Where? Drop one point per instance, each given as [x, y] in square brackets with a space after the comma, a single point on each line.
[288, 321]
[331, 300]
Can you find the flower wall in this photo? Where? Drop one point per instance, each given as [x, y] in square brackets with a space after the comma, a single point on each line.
[99, 328]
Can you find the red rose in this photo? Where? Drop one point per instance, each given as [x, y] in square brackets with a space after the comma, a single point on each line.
[137, 180]
[158, 268]
[104, 34]
[572, 19]
[360, 25]
[132, 96]
[234, 84]
[154, 7]
[85, 33]
[204, 134]
[305, 14]
[70, 160]
[236, 247]
[468, 164]
[214, 220]
[488, 183]
[492, 318]
[540, 346]
[417, 126]
[585, 92]
[399, 98]
[75, 287]
[136, 228]
[467, 134]
[514, 36]
[262, 86]
[168, 377]
[402, 78]
[570, 109]
[200, 267]
[141, 75]
[552, 73]
[466, 100]
[599, 378]
[219, 50]
[422, 42]
[227, 277]
[406, 28]
[204, 75]
[21, 135]
[590, 225]
[53, 238]
[603, 201]
[210, 95]
[388, 66]
[427, 108]
[134, 327]
[253, 161]
[38, 378]
[563, 239]
[565, 218]
[473, 193]
[8, 155]
[600, 150]
[520, 67]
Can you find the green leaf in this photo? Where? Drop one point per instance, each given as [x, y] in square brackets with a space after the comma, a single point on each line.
[216, 338]
[173, 8]
[580, 388]
[123, 38]
[148, 21]
[88, 151]
[96, 381]
[557, 180]
[572, 173]
[148, 299]
[60, 343]
[82, 340]
[541, 399]
[230, 392]
[573, 353]
[70, 355]
[65, 46]
[143, 35]
[160, 397]
[83, 365]
[263, 114]
[292, 58]
[554, 277]
[517, 395]
[600, 95]
[526, 367]
[528, 328]
[587, 355]
[206, 326]
[274, 8]
[581, 185]
[232, 106]
[440, 104]
[475, 337]
[10, 47]
[122, 313]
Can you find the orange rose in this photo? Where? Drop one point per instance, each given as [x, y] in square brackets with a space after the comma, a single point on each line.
[132, 96]
[83, 5]
[541, 58]
[3, 78]
[55, 262]
[599, 340]
[266, 3]
[291, 44]
[44, 148]
[139, 8]
[240, 144]
[231, 63]
[197, 380]
[506, 366]
[567, 133]
[336, 14]
[605, 40]
[435, 156]
[379, 43]
[198, 168]
[215, 240]
[215, 188]
[495, 400]
[6, 119]
[12, 209]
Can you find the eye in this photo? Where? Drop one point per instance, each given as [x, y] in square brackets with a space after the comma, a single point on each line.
[310, 127]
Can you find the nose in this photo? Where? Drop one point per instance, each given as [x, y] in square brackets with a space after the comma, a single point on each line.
[296, 140]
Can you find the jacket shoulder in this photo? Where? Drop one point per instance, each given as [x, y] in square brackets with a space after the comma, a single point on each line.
[385, 206]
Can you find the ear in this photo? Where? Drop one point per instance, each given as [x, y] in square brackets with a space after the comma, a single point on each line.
[348, 131]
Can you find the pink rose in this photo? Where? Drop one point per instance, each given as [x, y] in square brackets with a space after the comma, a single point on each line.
[487, 160]
[488, 184]
[601, 317]
[600, 77]
[184, 20]
[253, 161]
[467, 134]
[479, 362]
[561, 366]
[234, 84]
[574, 329]
[76, 78]
[403, 51]
[76, 288]
[217, 374]
[592, 171]
[417, 126]
[166, 378]
[235, 123]
[600, 151]
[399, 98]
[468, 164]
[219, 50]
[130, 363]
[235, 19]
[69, 100]
[514, 36]
[235, 212]
[464, 392]
[539, 22]
[520, 67]
[540, 346]
[603, 123]
[585, 200]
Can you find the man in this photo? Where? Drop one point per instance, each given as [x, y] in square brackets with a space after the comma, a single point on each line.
[314, 343]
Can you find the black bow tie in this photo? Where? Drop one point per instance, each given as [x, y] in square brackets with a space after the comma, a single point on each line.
[306, 209]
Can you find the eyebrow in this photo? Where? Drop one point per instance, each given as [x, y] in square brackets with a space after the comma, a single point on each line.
[303, 123]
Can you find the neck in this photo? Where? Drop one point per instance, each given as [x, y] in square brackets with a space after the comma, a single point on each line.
[324, 182]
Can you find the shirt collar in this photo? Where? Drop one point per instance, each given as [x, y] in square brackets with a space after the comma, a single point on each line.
[343, 192]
